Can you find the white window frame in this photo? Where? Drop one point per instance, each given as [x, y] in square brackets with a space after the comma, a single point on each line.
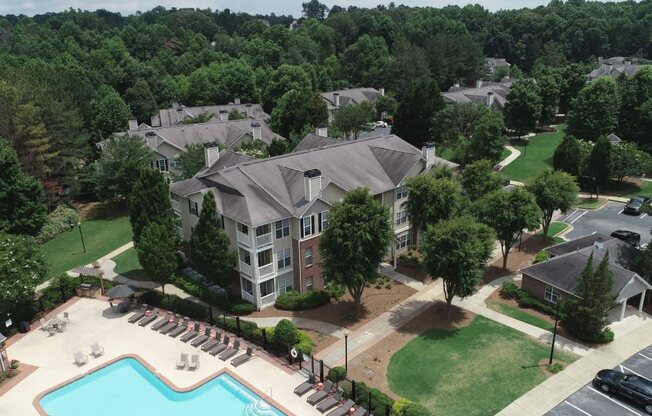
[307, 229]
[403, 241]
[283, 259]
[262, 253]
[174, 163]
[282, 228]
[266, 284]
[401, 192]
[193, 207]
[310, 284]
[244, 255]
[307, 257]
[246, 283]
[402, 217]
[551, 294]
[263, 230]
[324, 220]
[162, 165]
[284, 283]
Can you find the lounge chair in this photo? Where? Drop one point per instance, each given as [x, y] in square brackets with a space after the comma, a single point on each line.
[317, 397]
[179, 330]
[202, 338]
[183, 360]
[51, 330]
[221, 347]
[306, 386]
[360, 411]
[343, 410]
[193, 332]
[138, 315]
[149, 318]
[162, 322]
[96, 350]
[44, 325]
[194, 362]
[80, 358]
[244, 357]
[173, 323]
[332, 401]
[231, 352]
[213, 342]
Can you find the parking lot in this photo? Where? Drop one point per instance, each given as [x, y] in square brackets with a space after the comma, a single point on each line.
[606, 220]
[589, 401]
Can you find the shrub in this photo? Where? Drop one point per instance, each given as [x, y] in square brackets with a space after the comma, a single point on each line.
[295, 301]
[525, 300]
[541, 256]
[242, 307]
[305, 344]
[509, 290]
[234, 305]
[404, 407]
[411, 259]
[554, 368]
[15, 364]
[57, 222]
[285, 333]
[336, 374]
[334, 290]
[379, 400]
[175, 304]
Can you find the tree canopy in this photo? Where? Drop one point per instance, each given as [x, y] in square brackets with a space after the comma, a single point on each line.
[553, 190]
[594, 112]
[149, 202]
[352, 119]
[156, 253]
[431, 200]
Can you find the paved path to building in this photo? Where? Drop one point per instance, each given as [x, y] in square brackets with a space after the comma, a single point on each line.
[303, 323]
[557, 388]
[387, 270]
[515, 153]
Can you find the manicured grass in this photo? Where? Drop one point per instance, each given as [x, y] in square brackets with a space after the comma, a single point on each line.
[555, 228]
[519, 314]
[589, 203]
[127, 264]
[448, 153]
[536, 158]
[645, 189]
[473, 371]
[101, 236]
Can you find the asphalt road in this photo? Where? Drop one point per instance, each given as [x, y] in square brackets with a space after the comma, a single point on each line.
[606, 220]
[589, 401]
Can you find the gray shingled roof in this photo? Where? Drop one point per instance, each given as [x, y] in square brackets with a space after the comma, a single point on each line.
[479, 95]
[171, 116]
[576, 244]
[312, 141]
[350, 96]
[227, 158]
[615, 70]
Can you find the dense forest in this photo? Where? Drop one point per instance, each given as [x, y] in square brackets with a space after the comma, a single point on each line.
[69, 80]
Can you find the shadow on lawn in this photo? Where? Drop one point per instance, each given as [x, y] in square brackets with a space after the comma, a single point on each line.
[435, 317]
[107, 210]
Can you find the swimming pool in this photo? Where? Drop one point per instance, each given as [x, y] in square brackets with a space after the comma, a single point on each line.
[128, 388]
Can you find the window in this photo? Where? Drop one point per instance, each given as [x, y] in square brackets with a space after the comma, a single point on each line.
[162, 165]
[401, 192]
[551, 295]
[193, 207]
[307, 255]
[247, 286]
[264, 258]
[245, 256]
[263, 230]
[323, 220]
[282, 228]
[267, 288]
[283, 258]
[403, 241]
[401, 217]
[243, 228]
[307, 226]
[284, 283]
[309, 285]
[175, 163]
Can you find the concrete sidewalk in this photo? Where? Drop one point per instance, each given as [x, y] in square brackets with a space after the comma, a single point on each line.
[557, 388]
[303, 323]
[515, 153]
[388, 270]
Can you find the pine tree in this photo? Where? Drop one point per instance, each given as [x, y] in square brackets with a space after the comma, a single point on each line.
[156, 253]
[601, 163]
[150, 203]
[210, 247]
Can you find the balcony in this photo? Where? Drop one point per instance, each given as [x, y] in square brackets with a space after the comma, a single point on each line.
[266, 269]
[268, 300]
[263, 240]
[246, 269]
[176, 206]
[244, 239]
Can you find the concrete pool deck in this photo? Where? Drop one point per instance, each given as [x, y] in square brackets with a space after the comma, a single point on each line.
[93, 321]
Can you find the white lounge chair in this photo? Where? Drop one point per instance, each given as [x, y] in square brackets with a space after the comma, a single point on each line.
[194, 362]
[96, 350]
[183, 361]
[80, 358]
[44, 325]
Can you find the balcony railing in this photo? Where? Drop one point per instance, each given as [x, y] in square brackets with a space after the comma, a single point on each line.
[248, 297]
[269, 299]
[176, 206]
[266, 269]
[246, 269]
[263, 240]
[244, 239]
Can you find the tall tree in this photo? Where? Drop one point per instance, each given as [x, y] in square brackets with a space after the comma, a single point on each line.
[149, 202]
[313, 9]
[356, 241]
[573, 79]
[568, 156]
[479, 178]
[549, 87]
[635, 121]
[210, 247]
[586, 313]
[297, 109]
[22, 201]
[110, 115]
[284, 79]
[141, 100]
[628, 160]
[601, 164]
[457, 250]
[523, 108]
[431, 200]
[455, 120]
[488, 141]
[156, 253]
[594, 112]
[191, 161]
[367, 61]
[415, 110]
[553, 190]
[352, 119]
[114, 171]
[509, 213]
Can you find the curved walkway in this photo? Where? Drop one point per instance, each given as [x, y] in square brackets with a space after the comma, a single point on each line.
[303, 323]
[515, 153]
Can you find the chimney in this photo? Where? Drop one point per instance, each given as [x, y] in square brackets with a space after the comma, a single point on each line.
[133, 125]
[600, 60]
[478, 83]
[312, 184]
[490, 99]
[150, 138]
[236, 101]
[322, 130]
[336, 99]
[181, 115]
[456, 85]
[224, 115]
[256, 131]
[428, 153]
[250, 110]
[381, 91]
[599, 244]
[211, 153]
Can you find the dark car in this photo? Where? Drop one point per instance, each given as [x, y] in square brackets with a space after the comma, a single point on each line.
[636, 389]
[630, 237]
[635, 205]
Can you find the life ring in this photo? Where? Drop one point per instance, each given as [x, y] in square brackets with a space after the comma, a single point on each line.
[294, 353]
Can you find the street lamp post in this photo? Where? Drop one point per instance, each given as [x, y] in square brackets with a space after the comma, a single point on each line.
[346, 352]
[554, 334]
[81, 235]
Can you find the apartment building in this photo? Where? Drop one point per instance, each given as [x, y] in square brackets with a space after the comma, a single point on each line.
[274, 210]
[353, 96]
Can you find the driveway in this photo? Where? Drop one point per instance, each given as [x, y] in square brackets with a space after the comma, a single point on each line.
[589, 401]
[606, 220]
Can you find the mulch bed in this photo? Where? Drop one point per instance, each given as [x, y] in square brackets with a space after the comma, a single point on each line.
[517, 259]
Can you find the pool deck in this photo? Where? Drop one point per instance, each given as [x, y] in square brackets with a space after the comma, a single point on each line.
[94, 321]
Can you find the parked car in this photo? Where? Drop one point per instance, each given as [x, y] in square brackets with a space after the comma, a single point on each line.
[630, 237]
[629, 386]
[381, 123]
[635, 205]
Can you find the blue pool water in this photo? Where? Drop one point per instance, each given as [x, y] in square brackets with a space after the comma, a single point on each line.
[127, 388]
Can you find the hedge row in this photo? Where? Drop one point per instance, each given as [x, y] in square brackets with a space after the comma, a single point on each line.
[295, 301]
[57, 222]
[233, 305]
[380, 402]
[525, 300]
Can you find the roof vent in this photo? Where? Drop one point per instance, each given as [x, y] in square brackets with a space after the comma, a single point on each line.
[599, 244]
[150, 134]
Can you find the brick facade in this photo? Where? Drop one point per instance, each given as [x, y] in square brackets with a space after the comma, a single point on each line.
[300, 270]
[537, 288]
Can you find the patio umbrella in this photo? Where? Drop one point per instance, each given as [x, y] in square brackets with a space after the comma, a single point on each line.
[120, 291]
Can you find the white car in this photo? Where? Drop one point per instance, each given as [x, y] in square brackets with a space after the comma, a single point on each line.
[381, 123]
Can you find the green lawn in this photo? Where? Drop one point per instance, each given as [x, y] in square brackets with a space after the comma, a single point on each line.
[555, 228]
[519, 314]
[588, 203]
[536, 158]
[473, 371]
[448, 153]
[101, 236]
[127, 264]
